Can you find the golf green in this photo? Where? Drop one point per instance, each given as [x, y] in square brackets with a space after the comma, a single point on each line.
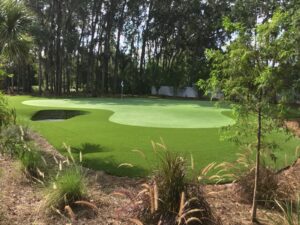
[109, 131]
[149, 113]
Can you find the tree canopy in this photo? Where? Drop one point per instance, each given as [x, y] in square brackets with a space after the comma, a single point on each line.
[90, 46]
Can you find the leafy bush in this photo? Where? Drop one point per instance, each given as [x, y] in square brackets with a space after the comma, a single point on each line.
[243, 172]
[32, 163]
[13, 139]
[67, 188]
[7, 115]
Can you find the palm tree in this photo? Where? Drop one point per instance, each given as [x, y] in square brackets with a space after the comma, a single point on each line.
[15, 42]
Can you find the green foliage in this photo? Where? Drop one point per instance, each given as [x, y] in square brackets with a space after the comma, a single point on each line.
[14, 22]
[13, 140]
[67, 187]
[32, 163]
[7, 115]
[171, 180]
[290, 213]
[249, 72]
[231, 27]
[69, 184]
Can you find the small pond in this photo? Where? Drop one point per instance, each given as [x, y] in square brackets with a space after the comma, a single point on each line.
[56, 115]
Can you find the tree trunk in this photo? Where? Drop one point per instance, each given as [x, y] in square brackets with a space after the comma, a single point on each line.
[91, 56]
[78, 58]
[58, 72]
[51, 48]
[77, 71]
[46, 66]
[144, 42]
[68, 75]
[40, 72]
[107, 53]
[120, 29]
[99, 67]
[258, 149]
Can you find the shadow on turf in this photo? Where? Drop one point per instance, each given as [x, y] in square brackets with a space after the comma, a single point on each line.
[87, 148]
[106, 164]
[112, 167]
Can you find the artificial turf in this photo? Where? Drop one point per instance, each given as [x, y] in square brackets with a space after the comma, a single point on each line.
[106, 142]
[159, 113]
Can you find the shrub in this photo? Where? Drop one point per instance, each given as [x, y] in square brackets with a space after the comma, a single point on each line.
[32, 164]
[7, 115]
[67, 188]
[13, 139]
[268, 185]
[243, 172]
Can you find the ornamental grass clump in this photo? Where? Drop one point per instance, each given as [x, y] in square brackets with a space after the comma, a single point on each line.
[289, 213]
[171, 180]
[171, 196]
[32, 163]
[67, 187]
[242, 171]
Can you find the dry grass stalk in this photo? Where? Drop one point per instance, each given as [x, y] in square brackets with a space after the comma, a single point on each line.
[142, 154]
[125, 165]
[184, 212]
[68, 148]
[192, 162]
[88, 204]
[80, 157]
[59, 213]
[70, 212]
[37, 180]
[152, 193]
[181, 207]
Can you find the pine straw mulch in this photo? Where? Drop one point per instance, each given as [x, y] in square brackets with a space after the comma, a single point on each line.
[21, 200]
[226, 202]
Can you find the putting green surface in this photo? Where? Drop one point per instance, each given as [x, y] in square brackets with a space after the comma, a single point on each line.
[106, 142]
[149, 113]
